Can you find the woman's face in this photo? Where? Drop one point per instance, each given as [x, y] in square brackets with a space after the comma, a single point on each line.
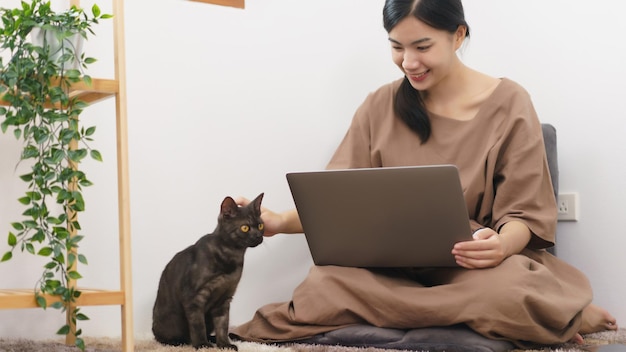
[424, 54]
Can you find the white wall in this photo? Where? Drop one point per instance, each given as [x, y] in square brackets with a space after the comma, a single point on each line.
[225, 101]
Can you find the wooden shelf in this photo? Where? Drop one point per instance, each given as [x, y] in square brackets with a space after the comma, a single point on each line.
[232, 3]
[98, 90]
[25, 298]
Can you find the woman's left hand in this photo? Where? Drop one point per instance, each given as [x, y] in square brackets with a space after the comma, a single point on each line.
[485, 251]
[489, 249]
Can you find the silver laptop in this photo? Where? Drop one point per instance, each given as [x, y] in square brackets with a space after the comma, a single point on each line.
[382, 217]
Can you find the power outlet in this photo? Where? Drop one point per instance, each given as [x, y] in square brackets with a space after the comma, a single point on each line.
[567, 206]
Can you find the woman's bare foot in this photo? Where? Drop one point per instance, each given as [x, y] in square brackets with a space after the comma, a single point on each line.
[596, 319]
[577, 339]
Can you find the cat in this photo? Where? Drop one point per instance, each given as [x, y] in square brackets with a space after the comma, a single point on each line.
[197, 285]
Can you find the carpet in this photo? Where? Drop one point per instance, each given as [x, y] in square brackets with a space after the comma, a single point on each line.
[606, 341]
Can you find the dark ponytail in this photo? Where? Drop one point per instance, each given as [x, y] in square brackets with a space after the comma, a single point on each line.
[445, 15]
[408, 105]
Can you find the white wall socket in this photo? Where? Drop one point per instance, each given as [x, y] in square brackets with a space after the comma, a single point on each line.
[567, 207]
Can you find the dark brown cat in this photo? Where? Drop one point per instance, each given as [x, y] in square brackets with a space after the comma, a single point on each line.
[198, 284]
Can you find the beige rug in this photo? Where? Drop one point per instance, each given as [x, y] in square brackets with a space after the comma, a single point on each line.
[611, 341]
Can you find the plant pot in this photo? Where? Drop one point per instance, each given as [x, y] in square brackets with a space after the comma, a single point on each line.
[59, 49]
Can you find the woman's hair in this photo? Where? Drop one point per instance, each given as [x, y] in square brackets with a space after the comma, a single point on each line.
[445, 15]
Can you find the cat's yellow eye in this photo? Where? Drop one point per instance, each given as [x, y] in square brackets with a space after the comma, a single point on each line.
[244, 228]
[261, 227]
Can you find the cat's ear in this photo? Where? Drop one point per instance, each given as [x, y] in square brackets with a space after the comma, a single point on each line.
[229, 207]
[256, 204]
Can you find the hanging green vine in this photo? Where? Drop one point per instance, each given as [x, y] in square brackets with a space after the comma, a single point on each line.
[35, 86]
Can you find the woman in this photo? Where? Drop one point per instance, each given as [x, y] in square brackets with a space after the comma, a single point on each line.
[443, 112]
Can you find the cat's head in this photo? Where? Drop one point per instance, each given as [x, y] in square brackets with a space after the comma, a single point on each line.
[242, 225]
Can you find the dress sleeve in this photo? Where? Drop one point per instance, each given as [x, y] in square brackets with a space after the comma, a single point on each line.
[354, 149]
[523, 187]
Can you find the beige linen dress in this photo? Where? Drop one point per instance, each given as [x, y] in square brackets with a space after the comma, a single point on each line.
[529, 298]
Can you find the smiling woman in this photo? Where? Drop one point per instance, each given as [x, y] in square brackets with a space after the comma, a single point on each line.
[234, 3]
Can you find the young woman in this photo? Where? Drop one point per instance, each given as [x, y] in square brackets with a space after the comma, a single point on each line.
[443, 112]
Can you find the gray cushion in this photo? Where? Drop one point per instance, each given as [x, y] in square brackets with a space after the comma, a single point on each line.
[549, 141]
[458, 338]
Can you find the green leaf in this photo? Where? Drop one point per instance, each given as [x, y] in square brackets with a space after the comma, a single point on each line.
[64, 330]
[41, 301]
[18, 226]
[12, 240]
[82, 259]
[79, 202]
[32, 212]
[77, 238]
[57, 305]
[30, 152]
[24, 200]
[6, 256]
[4, 126]
[45, 251]
[80, 343]
[27, 177]
[34, 195]
[90, 131]
[85, 183]
[95, 10]
[30, 224]
[53, 284]
[66, 136]
[72, 74]
[96, 155]
[81, 316]
[38, 237]
[17, 133]
[77, 155]
[63, 196]
[54, 221]
[30, 248]
[79, 104]
[74, 275]
[59, 258]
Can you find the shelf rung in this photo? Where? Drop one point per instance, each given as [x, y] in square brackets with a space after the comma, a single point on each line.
[25, 298]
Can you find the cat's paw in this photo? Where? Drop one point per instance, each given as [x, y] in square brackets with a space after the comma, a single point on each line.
[229, 346]
[203, 345]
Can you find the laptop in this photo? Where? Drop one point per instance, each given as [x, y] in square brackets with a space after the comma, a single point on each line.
[382, 217]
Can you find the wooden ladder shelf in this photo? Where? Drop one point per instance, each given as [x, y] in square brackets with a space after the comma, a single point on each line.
[102, 89]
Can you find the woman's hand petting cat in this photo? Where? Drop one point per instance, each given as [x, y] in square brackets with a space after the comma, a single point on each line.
[271, 220]
[487, 250]
[285, 222]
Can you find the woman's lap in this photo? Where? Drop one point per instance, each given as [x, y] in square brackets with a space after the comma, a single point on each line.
[532, 297]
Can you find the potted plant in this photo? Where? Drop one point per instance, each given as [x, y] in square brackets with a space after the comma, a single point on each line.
[35, 86]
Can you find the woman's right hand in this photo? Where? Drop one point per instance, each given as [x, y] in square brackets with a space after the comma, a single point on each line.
[287, 222]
